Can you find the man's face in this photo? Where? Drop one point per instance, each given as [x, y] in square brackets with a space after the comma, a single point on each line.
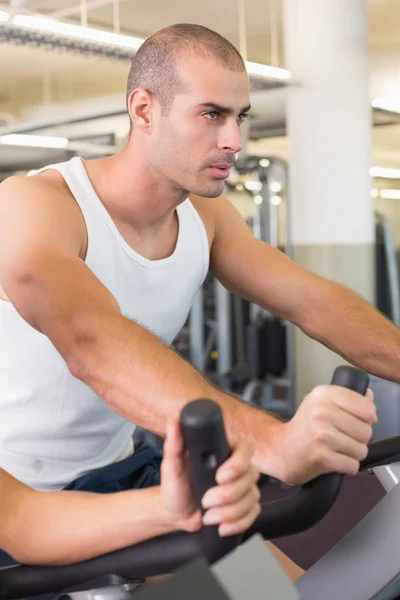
[195, 145]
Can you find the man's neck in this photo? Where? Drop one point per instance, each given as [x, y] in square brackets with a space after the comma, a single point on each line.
[132, 192]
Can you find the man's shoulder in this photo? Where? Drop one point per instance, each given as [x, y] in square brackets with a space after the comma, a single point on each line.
[44, 195]
[211, 211]
[46, 183]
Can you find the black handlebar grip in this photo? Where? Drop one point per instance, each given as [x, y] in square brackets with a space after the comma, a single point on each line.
[358, 381]
[207, 445]
[351, 378]
[205, 439]
[315, 498]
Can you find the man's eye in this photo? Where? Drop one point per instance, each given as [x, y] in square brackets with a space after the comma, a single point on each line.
[243, 117]
[212, 115]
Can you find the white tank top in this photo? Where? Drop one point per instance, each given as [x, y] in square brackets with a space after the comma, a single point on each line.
[54, 427]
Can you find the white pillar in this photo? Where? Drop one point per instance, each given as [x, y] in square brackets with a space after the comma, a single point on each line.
[329, 129]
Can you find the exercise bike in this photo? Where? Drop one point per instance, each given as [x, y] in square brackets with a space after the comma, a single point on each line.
[365, 565]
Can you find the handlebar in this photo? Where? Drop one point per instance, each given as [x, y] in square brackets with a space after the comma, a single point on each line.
[205, 439]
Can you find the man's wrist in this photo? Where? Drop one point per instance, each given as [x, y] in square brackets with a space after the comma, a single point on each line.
[166, 520]
[267, 434]
[269, 457]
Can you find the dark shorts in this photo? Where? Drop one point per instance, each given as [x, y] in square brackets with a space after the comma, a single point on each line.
[141, 470]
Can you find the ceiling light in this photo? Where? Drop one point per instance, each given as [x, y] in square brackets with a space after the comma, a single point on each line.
[258, 200]
[34, 141]
[264, 162]
[267, 71]
[275, 186]
[276, 200]
[390, 194]
[374, 193]
[384, 173]
[76, 31]
[390, 104]
[42, 25]
[253, 186]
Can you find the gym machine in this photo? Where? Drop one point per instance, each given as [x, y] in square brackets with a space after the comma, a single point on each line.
[363, 566]
[269, 340]
[387, 271]
[253, 350]
[387, 300]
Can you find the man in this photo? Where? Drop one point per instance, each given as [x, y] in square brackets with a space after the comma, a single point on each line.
[99, 264]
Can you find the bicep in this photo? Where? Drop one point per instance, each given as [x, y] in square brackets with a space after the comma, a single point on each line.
[261, 274]
[40, 268]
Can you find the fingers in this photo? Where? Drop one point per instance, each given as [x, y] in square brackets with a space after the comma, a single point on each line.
[234, 503]
[237, 464]
[332, 462]
[237, 517]
[325, 416]
[334, 441]
[361, 407]
[229, 493]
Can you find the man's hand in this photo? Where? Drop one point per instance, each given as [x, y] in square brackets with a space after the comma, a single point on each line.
[329, 433]
[233, 504]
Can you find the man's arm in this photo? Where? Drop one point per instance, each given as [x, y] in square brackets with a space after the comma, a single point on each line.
[56, 293]
[134, 372]
[66, 527]
[326, 311]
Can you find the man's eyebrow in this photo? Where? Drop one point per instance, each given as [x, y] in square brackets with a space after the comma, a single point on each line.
[223, 109]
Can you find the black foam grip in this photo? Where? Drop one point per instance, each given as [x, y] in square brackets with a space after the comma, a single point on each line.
[205, 439]
[314, 499]
[351, 378]
[207, 445]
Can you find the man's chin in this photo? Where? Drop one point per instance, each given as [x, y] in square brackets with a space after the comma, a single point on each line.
[209, 191]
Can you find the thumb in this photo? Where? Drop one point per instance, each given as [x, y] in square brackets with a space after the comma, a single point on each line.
[370, 396]
[174, 460]
[173, 445]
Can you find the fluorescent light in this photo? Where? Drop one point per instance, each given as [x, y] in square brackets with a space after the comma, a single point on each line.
[258, 200]
[391, 104]
[264, 162]
[76, 31]
[267, 71]
[390, 194]
[275, 187]
[276, 200]
[34, 141]
[125, 41]
[384, 173]
[253, 186]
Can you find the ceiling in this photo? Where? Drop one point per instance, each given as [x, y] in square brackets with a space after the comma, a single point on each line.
[36, 83]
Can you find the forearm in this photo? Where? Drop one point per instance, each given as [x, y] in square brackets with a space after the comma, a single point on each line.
[67, 527]
[148, 383]
[347, 324]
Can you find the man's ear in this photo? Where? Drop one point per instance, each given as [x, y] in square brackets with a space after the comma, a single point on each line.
[140, 107]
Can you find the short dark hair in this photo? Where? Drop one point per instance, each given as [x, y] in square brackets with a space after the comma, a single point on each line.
[154, 66]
